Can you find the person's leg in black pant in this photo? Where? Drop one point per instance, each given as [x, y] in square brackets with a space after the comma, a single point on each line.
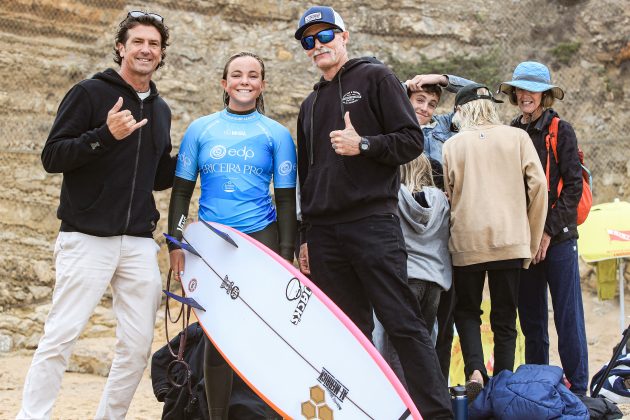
[375, 270]
[334, 274]
[503, 301]
[469, 290]
[444, 343]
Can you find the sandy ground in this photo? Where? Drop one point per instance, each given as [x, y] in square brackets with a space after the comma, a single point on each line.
[80, 393]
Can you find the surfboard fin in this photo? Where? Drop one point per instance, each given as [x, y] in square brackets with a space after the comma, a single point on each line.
[184, 245]
[185, 300]
[222, 234]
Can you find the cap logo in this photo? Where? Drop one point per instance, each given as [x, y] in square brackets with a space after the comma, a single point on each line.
[312, 17]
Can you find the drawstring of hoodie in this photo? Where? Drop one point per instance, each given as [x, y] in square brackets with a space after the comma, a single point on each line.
[341, 94]
[310, 137]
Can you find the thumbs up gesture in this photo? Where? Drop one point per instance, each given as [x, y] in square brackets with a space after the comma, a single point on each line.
[122, 123]
[345, 142]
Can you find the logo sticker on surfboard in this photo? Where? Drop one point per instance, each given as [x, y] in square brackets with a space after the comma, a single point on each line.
[230, 288]
[316, 407]
[297, 291]
[192, 285]
[336, 389]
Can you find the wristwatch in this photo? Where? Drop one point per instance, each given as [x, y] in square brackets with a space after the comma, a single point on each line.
[364, 145]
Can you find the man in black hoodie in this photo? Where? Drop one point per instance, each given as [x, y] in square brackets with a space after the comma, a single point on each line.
[353, 132]
[111, 140]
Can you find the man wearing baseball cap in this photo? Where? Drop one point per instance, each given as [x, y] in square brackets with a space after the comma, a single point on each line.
[353, 132]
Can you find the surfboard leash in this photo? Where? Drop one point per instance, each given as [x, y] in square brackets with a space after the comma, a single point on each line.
[178, 356]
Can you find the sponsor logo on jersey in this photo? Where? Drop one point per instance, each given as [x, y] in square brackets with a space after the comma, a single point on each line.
[351, 97]
[184, 159]
[229, 187]
[285, 167]
[219, 152]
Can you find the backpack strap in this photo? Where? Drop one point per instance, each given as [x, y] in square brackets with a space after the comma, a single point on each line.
[551, 142]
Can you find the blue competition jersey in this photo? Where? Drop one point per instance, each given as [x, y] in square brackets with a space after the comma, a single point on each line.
[237, 155]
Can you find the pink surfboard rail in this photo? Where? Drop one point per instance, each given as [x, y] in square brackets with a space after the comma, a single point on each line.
[347, 322]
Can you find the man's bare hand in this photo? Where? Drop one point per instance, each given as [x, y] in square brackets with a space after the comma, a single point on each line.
[345, 142]
[415, 84]
[542, 250]
[121, 123]
[303, 260]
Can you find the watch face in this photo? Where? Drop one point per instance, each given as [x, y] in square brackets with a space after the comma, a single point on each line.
[365, 145]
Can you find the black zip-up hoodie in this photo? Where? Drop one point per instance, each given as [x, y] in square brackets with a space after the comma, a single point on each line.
[107, 184]
[561, 220]
[337, 189]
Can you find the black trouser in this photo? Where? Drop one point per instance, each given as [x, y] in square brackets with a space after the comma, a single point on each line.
[503, 303]
[362, 265]
[444, 343]
[226, 391]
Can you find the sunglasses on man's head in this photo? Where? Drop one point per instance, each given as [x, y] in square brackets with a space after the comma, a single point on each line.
[325, 36]
[139, 13]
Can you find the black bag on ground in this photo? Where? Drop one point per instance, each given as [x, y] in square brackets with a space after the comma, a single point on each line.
[179, 404]
[600, 408]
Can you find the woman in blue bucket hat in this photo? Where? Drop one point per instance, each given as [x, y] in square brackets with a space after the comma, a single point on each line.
[556, 263]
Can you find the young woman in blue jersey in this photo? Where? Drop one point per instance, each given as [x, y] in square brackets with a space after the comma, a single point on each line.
[237, 152]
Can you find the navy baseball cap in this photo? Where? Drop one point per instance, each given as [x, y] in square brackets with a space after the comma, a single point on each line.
[319, 14]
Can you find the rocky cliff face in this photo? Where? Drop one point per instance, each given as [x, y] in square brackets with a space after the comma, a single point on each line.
[49, 45]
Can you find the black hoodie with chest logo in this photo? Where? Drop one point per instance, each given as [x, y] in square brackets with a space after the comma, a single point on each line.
[107, 184]
[338, 189]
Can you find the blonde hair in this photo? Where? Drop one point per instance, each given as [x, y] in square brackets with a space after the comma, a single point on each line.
[417, 174]
[477, 112]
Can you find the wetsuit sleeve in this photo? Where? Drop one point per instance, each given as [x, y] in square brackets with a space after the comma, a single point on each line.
[178, 208]
[72, 142]
[565, 211]
[402, 140]
[183, 185]
[287, 221]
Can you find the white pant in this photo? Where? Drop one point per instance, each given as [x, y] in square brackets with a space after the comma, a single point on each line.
[85, 266]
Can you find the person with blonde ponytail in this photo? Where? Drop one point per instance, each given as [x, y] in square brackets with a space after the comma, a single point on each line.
[498, 194]
[424, 220]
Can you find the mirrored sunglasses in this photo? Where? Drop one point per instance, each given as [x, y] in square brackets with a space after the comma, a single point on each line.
[324, 37]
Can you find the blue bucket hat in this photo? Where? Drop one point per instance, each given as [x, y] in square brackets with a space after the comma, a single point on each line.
[531, 76]
[319, 14]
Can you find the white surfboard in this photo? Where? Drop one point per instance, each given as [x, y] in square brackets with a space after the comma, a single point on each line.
[293, 346]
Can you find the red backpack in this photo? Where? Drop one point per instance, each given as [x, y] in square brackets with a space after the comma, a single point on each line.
[586, 201]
